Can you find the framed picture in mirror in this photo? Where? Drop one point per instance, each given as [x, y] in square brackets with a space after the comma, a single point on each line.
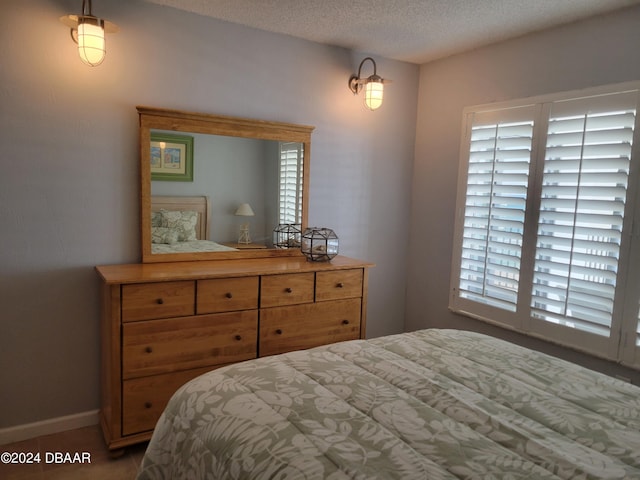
[171, 157]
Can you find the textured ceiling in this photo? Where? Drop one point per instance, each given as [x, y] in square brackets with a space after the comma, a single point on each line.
[415, 31]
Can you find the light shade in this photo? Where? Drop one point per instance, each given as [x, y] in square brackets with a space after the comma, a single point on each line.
[373, 92]
[91, 43]
[244, 210]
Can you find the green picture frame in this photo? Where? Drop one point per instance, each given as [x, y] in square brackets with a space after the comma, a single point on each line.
[171, 157]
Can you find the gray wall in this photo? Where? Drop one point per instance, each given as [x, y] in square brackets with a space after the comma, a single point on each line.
[69, 179]
[595, 52]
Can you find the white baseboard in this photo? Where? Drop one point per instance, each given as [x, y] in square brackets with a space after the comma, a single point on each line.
[47, 427]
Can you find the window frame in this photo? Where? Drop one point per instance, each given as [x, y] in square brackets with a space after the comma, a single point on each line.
[623, 343]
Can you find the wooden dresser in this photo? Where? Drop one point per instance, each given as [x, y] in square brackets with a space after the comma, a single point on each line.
[165, 323]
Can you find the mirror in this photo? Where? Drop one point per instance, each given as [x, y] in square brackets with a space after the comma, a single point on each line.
[215, 187]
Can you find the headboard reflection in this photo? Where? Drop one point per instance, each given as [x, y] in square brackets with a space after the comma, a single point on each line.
[198, 204]
[181, 225]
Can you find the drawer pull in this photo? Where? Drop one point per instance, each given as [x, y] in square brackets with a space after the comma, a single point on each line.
[229, 295]
[288, 290]
[148, 349]
[340, 285]
[345, 322]
[147, 405]
[238, 337]
[159, 301]
[279, 331]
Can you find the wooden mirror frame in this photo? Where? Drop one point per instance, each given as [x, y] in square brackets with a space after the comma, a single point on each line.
[189, 122]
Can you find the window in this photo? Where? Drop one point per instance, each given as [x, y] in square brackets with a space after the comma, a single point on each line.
[290, 194]
[544, 239]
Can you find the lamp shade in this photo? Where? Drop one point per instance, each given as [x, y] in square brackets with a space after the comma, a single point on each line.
[244, 210]
[91, 41]
[373, 92]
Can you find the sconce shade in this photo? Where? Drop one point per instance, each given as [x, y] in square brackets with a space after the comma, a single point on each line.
[373, 93]
[91, 44]
[89, 33]
[319, 244]
[244, 210]
[373, 86]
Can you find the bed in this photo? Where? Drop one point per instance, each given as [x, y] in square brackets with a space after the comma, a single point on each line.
[180, 224]
[431, 404]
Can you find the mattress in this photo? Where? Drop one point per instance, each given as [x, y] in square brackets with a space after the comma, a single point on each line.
[431, 404]
[190, 246]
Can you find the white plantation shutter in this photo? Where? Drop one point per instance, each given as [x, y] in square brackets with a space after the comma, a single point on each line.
[497, 179]
[544, 240]
[290, 193]
[584, 186]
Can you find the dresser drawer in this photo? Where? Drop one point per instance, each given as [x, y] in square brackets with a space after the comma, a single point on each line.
[286, 289]
[283, 329]
[144, 301]
[339, 284]
[227, 294]
[161, 346]
[144, 399]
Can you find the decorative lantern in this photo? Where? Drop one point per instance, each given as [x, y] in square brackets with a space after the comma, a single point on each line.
[287, 235]
[319, 244]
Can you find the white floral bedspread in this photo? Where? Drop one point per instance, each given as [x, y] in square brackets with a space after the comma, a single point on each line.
[432, 404]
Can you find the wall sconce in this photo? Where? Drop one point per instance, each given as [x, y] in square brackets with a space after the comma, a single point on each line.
[88, 32]
[373, 86]
[244, 210]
